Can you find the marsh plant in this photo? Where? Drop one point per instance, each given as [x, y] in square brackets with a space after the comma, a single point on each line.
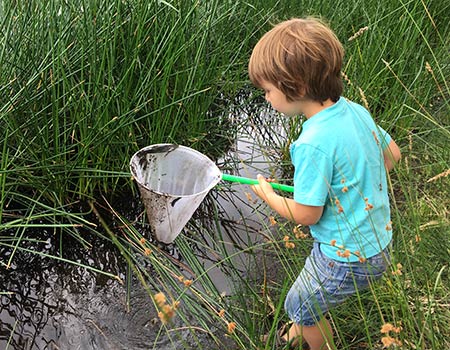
[86, 83]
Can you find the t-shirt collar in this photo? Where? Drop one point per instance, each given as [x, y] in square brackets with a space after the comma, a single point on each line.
[326, 113]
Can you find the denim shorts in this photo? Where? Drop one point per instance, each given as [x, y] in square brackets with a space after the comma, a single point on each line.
[324, 283]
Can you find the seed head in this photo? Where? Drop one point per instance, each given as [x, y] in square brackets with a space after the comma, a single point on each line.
[231, 327]
[160, 299]
[272, 220]
[187, 283]
[358, 33]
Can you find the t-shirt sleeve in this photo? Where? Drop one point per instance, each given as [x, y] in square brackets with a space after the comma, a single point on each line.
[312, 175]
[383, 137]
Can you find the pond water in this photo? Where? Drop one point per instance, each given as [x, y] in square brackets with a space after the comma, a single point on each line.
[49, 304]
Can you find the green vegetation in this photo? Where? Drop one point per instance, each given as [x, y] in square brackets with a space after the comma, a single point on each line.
[86, 83]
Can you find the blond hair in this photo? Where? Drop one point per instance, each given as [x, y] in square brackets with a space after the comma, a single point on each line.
[302, 58]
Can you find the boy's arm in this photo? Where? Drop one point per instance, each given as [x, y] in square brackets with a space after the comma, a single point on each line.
[287, 207]
[391, 155]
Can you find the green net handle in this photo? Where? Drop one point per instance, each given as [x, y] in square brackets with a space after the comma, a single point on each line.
[247, 181]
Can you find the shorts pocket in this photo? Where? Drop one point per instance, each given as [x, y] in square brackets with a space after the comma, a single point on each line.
[354, 281]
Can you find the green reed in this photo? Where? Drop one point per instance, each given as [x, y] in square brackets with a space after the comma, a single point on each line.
[405, 86]
[85, 84]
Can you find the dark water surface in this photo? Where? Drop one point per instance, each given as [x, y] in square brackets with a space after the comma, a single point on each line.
[50, 304]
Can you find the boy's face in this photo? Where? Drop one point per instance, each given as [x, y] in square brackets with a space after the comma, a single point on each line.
[278, 100]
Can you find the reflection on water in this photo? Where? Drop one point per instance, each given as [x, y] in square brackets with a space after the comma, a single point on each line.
[55, 305]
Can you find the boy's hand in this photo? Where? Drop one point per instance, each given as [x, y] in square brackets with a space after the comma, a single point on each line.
[263, 190]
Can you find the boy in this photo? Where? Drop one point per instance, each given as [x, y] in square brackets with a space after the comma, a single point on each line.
[340, 182]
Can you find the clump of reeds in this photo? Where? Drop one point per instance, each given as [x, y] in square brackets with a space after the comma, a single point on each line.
[83, 87]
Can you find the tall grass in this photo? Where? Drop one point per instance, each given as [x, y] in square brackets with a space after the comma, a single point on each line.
[84, 84]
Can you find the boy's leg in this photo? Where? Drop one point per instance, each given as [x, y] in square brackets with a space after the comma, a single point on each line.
[317, 336]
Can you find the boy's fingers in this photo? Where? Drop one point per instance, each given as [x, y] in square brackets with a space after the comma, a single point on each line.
[257, 188]
[261, 179]
[266, 179]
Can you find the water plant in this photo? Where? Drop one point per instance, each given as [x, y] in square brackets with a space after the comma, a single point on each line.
[87, 83]
[84, 84]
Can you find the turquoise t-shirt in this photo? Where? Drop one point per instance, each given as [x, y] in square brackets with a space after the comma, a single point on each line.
[339, 164]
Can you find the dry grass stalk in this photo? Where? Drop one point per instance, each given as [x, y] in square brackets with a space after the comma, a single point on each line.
[363, 98]
[358, 33]
[438, 176]
[346, 78]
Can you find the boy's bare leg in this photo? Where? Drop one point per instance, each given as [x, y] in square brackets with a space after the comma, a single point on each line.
[317, 336]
